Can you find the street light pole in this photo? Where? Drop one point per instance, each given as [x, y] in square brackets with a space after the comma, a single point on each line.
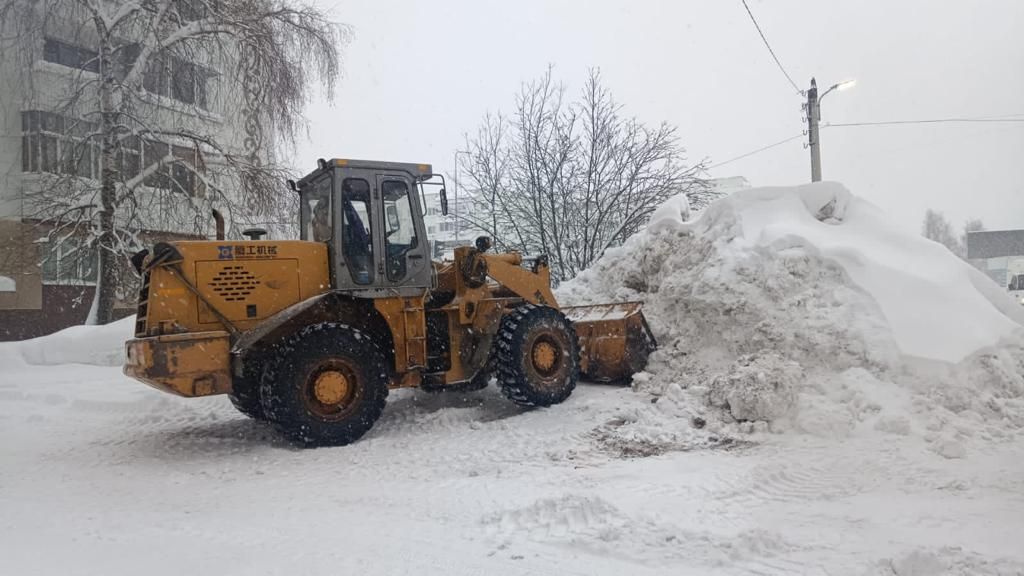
[813, 116]
[813, 109]
[455, 180]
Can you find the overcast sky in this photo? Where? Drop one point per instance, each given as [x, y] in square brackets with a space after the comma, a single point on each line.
[420, 75]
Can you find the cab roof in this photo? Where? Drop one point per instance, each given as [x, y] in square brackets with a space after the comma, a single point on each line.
[418, 171]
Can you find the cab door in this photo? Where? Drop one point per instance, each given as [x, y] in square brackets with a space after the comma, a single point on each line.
[404, 254]
[356, 231]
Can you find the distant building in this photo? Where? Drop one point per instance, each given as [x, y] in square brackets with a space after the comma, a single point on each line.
[999, 253]
[447, 232]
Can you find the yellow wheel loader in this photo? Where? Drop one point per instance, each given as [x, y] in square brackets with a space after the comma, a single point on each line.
[311, 334]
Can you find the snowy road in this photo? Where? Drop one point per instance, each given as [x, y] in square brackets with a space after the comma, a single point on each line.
[101, 475]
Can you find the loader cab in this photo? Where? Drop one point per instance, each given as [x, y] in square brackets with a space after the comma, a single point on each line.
[370, 215]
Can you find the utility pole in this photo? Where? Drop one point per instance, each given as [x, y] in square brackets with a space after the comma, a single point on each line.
[813, 116]
[455, 181]
[813, 109]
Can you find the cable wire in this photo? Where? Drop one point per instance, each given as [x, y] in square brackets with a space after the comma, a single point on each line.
[758, 151]
[929, 121]
[1005, 118]
[769, 46]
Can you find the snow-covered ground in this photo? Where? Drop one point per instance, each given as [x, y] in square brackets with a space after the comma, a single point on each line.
[830, 397]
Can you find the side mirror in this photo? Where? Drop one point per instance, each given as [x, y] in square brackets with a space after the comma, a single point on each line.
[444, 202]
[394, 223]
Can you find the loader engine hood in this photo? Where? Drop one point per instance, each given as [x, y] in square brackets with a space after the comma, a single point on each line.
[199, 286]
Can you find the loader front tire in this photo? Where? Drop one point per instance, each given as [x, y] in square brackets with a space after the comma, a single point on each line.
[245, 391]
[326, 385]
[248, 403]
[538, 356]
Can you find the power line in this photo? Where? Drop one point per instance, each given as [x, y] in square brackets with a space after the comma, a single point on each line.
[769, 46]
[1004, 118]
[758, 151]
[929, 121]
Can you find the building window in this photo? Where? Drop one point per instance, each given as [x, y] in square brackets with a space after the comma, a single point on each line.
[70, 262]
[172, 77]
[129, 157]
[58, 145]
[69, 55]
[188, 162]
[178, 173]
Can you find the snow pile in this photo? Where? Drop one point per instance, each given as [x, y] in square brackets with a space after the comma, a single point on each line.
[97, 345]
[757, 388]
[839, 320]
[675, 210]
[8, 284]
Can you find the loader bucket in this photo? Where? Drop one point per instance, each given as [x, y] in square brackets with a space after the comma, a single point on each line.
[615, 340]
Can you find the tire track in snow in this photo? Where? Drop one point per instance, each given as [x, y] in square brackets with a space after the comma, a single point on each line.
[814, 473]
[592, 525]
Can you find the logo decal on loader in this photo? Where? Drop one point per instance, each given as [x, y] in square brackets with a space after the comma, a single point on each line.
[246, 252]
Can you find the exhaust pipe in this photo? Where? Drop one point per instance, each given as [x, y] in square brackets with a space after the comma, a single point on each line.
[220, 223]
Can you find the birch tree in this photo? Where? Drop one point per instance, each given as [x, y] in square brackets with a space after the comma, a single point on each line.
[140, 116]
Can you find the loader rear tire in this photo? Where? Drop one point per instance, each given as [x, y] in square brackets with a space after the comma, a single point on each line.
[326, 385]
[538, 356]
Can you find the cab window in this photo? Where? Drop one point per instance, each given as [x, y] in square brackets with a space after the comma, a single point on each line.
[317, 211]
[357, 230]
[399, 225]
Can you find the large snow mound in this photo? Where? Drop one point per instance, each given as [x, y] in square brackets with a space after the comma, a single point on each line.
[768, 243]
[807, 305]
[97, 345]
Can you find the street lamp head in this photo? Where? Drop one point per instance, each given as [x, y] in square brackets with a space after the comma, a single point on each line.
[846, 84]
[838, 86]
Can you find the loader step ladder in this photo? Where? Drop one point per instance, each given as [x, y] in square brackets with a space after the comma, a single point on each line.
[415, 326]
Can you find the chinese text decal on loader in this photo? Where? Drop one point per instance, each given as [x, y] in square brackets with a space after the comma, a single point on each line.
[311, 334]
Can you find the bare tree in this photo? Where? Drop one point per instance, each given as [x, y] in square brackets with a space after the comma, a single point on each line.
[971, 225]
[937, 228]
[572, 180]
[131, 138]
[488, 168]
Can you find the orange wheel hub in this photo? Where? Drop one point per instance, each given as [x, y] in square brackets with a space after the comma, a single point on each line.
[331, 387]
[544, 356]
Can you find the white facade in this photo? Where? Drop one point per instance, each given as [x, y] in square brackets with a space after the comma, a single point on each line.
[37, 126]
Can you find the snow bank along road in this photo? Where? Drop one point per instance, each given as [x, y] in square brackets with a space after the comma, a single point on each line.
[796, 420]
